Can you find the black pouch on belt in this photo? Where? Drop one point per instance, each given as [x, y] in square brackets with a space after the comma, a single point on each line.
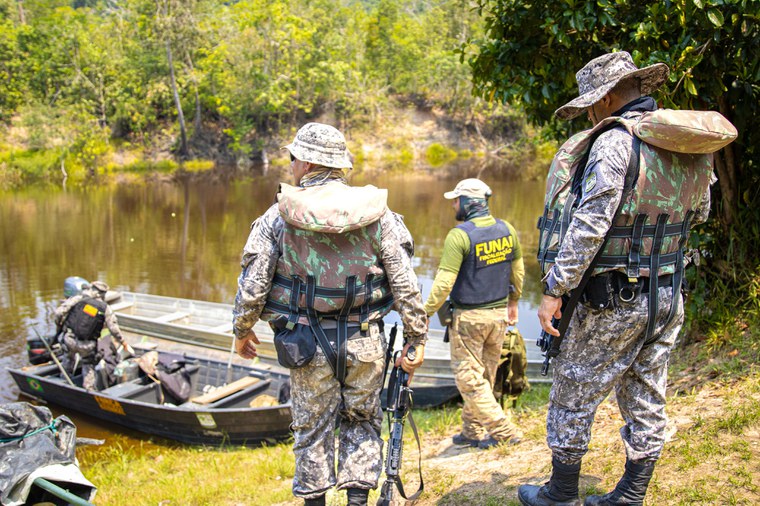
[599, 292]
[295, 347]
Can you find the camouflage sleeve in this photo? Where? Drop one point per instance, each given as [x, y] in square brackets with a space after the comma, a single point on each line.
[259, 262]
[63, 310]
[602, 188]
[703, 211]
[396, 246]
[112, 325]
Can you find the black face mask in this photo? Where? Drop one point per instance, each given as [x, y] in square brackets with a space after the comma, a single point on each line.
[462, 212]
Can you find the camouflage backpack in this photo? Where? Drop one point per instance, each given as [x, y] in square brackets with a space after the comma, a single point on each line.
[511, 375]
[332, 233]
[675, 166]
[330, 266]
[668, 174]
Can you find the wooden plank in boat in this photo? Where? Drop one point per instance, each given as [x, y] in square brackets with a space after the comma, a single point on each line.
[177, 315]
[226, 390]
[223, 328]
[120, 306]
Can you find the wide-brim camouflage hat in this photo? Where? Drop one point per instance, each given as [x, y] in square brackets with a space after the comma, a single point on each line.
[322, 145]
[100, 286]
[602, 74]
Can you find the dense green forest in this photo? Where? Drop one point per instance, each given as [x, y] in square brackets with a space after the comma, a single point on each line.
[77, 76]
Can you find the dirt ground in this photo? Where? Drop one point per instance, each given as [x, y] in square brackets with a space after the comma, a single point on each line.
[729, 472]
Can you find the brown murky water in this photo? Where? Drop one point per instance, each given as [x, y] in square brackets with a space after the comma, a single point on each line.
[184, 239]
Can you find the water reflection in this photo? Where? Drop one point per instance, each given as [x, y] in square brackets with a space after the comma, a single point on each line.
[184, 237]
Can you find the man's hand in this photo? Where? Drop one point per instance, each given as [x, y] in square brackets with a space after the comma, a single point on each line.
[129, 351]
[410, 365]
[512, 312]
[245, 347]
[551, 307]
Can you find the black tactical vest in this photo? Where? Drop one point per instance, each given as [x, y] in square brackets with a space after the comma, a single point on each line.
[86, 318]
[484, 275]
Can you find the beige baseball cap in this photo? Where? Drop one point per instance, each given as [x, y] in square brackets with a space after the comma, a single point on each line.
[473, 188]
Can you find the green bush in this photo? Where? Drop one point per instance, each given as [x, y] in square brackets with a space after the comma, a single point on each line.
[438, 154]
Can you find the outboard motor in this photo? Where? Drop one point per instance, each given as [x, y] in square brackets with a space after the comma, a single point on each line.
[73, 286]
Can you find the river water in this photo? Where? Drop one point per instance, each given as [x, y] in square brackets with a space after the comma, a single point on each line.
[183, 238]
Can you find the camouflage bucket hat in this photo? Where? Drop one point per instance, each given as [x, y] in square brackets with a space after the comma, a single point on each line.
[100, 286]
[602, 74]
[322, 145]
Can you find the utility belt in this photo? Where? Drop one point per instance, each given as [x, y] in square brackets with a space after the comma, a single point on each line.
[296, 342]
[612, 289]
[83, 340]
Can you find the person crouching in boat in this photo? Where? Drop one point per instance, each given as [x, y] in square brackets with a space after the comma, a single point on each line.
[323, 265]
[80, 320]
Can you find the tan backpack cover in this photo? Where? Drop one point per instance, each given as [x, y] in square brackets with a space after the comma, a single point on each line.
[685, 131]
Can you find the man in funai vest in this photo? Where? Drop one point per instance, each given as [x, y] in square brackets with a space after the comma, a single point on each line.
[325, 263]
[482, 269]
[634, 203]
[80, 320]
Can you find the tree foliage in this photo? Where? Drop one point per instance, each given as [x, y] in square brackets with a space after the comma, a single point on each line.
[531, 51]
[250, 67]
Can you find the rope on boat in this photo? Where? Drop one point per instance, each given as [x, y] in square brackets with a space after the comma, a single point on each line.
[51, 426]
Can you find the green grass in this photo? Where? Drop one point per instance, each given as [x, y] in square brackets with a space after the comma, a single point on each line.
[713, 460]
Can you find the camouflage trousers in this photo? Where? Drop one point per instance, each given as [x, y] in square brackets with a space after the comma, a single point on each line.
[476, 337]
[87, 351]
[319, 402]
[606, 349]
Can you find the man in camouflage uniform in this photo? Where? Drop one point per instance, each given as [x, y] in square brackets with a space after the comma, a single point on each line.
[608, 347]
[482, 268]
[324, 229]
[81, 345]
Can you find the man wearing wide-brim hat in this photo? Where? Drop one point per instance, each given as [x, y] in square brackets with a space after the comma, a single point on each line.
[627, 278]
[323, 265]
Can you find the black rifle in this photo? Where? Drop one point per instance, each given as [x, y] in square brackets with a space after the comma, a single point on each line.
[398, 407]
[549, 345]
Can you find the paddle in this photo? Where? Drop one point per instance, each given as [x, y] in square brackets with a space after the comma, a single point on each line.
[55, 359]
[229, 361]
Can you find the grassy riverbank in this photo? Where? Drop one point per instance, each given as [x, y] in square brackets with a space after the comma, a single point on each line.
[711, 457]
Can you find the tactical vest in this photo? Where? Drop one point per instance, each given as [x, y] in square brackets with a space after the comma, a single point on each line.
[484, 275]
[330, 264]
[649, 234]
[86, 318]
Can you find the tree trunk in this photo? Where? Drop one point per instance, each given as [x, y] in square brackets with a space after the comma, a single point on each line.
[21, 14]
[180, 115]
[197, 120]
[727, 193]
[725, 163]
[197, 123]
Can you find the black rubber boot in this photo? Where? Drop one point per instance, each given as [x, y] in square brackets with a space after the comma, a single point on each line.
[631, 488]
[560, 490]
[317, 501]
[357, 496]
